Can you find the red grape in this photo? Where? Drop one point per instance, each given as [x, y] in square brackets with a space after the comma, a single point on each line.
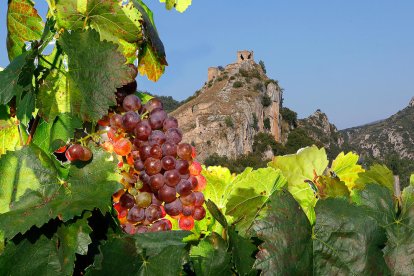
[116, 121]
[157, 117]
[170, 122]
[152, 104]
[167, 194]
[156, 181]
[184, 187]
[199, 213]
[152, 213]
[131, 103]
[182, 166]
[122, 147]
[136, 214]
[174, 208]
[188, 210]
[157, 137]
[156, 152]
[168, 163]
[172, 178]
[184, 151]
[152, 166]
[143, 130]
[199, 199]
[127, 201]
[186, 223]
[130, 120]
[169, 149]
[188, 199]
[173, 135]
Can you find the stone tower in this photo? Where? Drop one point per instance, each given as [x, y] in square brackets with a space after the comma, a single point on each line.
[213, 72]
[244, 56]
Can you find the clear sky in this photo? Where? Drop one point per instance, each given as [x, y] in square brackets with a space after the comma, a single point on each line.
[352, 59]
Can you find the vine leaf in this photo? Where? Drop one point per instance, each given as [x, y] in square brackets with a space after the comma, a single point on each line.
[347, 169]
[9, 135]
[22, 170]
[210, 256]
[141, 254]
[23, 24]
[286, 235]
[50, 136]
[249, 195]
[149, 63]
[346, 241]
[96, 69]
[377, 173]
[45, 256]
[49, 197]
[25, 108]
[300, 167]
[243, 251]
[180, 5]
[121, 25]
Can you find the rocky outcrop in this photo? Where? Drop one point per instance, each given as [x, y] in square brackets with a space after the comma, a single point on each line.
[236, 104]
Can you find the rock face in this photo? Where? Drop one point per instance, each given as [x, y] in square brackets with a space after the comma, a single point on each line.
[231, 108]
[394, 135]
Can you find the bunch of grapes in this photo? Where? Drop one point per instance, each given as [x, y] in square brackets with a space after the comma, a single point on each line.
[159, 174]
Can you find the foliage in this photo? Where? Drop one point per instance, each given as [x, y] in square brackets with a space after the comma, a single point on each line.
[229, 122]
[237, 84]
[266, 100]
[298, 139]
[255, 123]
[262, 65]
[266, 123]
[289, 116]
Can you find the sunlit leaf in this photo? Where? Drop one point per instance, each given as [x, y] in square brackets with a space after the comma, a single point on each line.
[346, 168]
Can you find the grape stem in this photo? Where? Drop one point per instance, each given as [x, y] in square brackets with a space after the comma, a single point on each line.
[33, 129]
[89, 136]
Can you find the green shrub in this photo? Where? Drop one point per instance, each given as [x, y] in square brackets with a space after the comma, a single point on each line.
[258, 86]
[266, 100]
[261, 63]
[271, 81]
[255, 124]
[232, 78]
[237, 84]
[244, 73]
[229, 122]
[266, 123]
[289, 116]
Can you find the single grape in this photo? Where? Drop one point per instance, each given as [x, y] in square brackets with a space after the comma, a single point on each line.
[156, 118]
[168, 163]
[156, 152]
[201, 183]
[76, 151]
[131, 103]
[152, 213]
[157, 181]
[184, 151]
[130, 120]
[184, 187]
[186, 223]
[152, 166]
[122, 147]
[173, 208]
[68, 157]
[182, 166]
[120, 96]
[199, 199]
[169, 149]
[188, 199]
[142, 229]
[167, 194]
[152, 104]
[174, 135]
[127, 201]
[143, 199]
[188, 210]
[195, 168]
[199, 213]
[193, 181]
[172, 178]
[139, 165]
[129, 228]
[157, 137]
[143, 130]
[161, 225]
[116, 121]
[145, 152]
[136, 214]
[170, 122]
[87, 154]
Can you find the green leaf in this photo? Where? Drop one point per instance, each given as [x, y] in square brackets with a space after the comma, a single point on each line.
[210, 256]
[86, 188]
[243, 251]
[149, 63]
[286, 235]
[160, 253]
[412, 180]
[23, 24]
[300, 167]
[346, 241]
[21, 170]
[27, 258]
[329, 186]
[180, 5]
[9, 135]
[50, 136]
[379, 174]
[249, 195]
[25, 108]
[15, 76]
[347, 169]
[219, 183]
[144, 97]
[86, 90]
[73, 238]
[216, 213]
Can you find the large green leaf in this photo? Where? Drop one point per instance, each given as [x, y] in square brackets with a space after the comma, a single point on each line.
[9, 135]
[23, 24]
[300, 167]
[243, 251]
[346, 241]
[286, 235]
[50, 136]
[250, 193]
[377, 173]
[210, 256]
[21, 170]
[346, 168]
[219, 184]
[149, 63]
[121, 25]
[86, 188]
[96, 69]
[160, 253]
[179, 5]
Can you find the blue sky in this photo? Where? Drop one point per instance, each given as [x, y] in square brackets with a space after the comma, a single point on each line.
[353, 59]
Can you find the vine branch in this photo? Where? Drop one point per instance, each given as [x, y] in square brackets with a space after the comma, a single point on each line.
[33, 129]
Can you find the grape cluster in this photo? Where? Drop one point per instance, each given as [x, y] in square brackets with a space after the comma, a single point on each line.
[159, 174]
